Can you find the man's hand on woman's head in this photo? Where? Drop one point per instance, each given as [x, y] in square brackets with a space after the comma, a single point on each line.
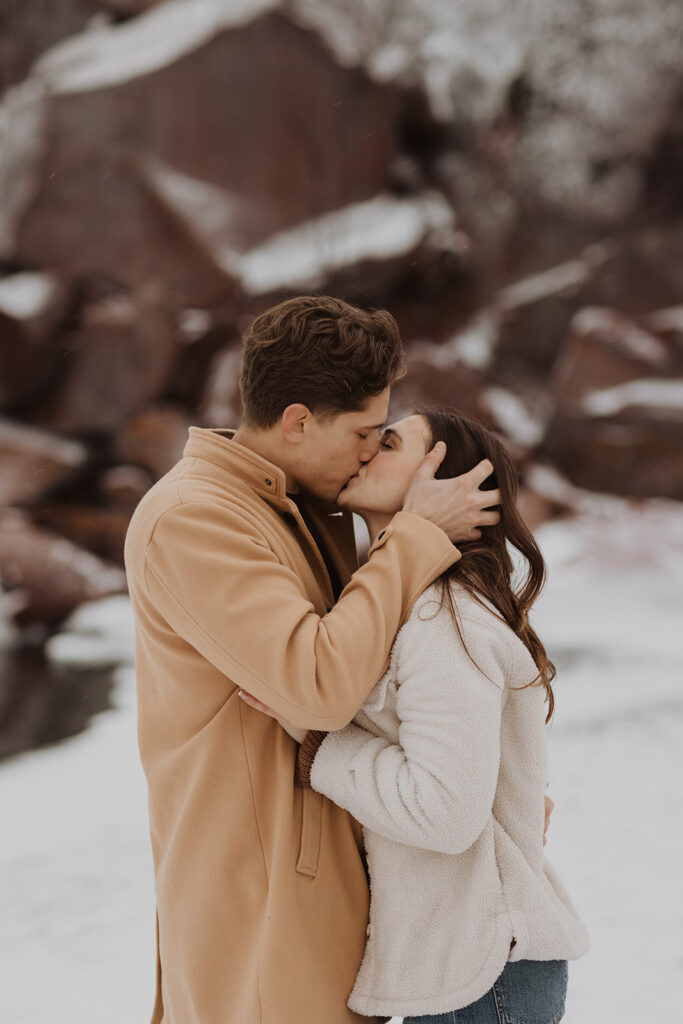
[456, 504]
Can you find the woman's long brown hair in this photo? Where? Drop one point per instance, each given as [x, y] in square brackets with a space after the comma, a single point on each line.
[486, 568]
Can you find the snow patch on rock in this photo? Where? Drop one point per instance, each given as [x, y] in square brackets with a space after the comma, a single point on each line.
[377, 229]
[98, 633]
[112, 55]
[663, 396]
[24, 296]
[513, 417]
[22, 127]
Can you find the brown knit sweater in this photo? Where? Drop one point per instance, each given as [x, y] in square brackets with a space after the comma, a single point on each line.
[305, 757]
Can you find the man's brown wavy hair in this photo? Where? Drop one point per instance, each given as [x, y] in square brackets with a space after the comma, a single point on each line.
[486, 567]
[319, 351]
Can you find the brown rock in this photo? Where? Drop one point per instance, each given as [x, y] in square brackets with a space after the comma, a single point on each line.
[129, 6]
[667, 324]
[32, 26]
[154, 438]
[634, 273]
[632, 454]
[50, 575]
[41, 702]
[196, 358]
[33, 462]
[644, 271]
[432, 380]
[535, 311]
[223, 120]
[401, 244]
[32, 306]
[618, 424]
[544, 495]
[122, 487]
[102, 531]
[221, 405]
[604, 348]
[120, 357]
[535, 509]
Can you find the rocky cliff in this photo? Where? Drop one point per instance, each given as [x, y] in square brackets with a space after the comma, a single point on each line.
[506, 178]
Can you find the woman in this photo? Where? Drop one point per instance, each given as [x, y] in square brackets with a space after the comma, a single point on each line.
[445, 768]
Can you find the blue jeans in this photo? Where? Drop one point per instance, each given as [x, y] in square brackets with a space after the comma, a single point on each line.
[527, 992]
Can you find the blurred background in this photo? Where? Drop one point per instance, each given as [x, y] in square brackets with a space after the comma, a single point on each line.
[507, 179]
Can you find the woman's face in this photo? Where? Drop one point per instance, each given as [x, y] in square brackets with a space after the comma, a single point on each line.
[381, 484]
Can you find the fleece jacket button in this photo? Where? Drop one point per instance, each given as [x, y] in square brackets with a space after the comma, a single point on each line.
[368, 931]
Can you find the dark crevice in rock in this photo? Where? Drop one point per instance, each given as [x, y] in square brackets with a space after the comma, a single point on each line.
[42, 703]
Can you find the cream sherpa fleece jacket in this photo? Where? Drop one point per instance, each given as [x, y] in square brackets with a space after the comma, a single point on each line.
[445, 767]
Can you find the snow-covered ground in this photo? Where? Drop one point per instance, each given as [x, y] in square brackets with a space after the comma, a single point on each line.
[76, 924]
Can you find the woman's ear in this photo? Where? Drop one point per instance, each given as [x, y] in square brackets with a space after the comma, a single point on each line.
[295, 420]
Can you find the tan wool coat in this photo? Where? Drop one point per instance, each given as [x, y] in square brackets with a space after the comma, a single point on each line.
[262, 897]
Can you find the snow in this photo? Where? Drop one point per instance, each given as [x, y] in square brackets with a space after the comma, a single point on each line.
[564, 278]
[77, 889]
[472, 346]
[661, 397]
[193, 324]
[112, 55]
[26, 295]
[621, 333]
[377, 229]
[600, 76]
[465, 55]
[513, 417]
[670, 319]
[303, 255]
[97, 634]
[209, 212]
[22, 123]
[36, 442]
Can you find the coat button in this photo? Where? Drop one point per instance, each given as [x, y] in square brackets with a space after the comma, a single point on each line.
[269, 483]
[368, 931]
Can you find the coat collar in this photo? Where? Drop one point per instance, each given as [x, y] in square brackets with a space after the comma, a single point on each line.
[218, 447]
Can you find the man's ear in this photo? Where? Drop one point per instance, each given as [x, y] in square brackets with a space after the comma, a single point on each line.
[295, 420]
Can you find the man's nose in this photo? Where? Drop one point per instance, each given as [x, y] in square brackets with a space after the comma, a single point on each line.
[369, 449]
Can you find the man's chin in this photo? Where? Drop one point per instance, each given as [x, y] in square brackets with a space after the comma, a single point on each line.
[329, 494]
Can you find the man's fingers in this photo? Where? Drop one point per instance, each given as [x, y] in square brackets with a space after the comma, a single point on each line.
[487, 499]
[432, 461]
[488, 518]
[480, 472]
[256, 704]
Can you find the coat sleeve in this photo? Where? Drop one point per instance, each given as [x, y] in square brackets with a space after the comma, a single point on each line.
[435, 787]
[215, 580]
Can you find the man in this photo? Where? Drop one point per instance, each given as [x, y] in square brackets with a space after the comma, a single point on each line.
[236, 559]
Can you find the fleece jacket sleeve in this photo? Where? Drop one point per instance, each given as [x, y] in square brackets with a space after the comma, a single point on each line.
[218, 584]
[435, 787]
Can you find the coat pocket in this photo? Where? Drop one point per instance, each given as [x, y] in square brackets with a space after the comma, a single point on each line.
[311, 829]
